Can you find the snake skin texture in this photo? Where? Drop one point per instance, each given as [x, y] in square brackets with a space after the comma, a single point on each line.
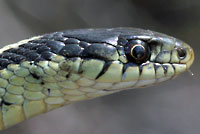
[46, 72]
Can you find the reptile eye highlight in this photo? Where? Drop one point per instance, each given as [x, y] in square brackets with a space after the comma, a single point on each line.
[137, 51]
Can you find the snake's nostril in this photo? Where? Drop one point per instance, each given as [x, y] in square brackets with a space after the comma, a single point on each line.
[181, 53]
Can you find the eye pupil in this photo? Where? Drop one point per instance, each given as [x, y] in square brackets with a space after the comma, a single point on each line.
[138, 52]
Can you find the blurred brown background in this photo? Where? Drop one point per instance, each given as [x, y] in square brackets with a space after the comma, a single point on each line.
[170, 108]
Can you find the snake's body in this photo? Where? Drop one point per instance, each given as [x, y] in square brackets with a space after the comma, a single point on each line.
[48, 71]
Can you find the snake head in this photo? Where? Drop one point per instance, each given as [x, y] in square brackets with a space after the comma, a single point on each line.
[124, 58]
[152, 57]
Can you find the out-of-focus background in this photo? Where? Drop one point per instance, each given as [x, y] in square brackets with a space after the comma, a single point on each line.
[170, 108]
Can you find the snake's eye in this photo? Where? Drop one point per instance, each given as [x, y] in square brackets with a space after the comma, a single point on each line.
[137, 51]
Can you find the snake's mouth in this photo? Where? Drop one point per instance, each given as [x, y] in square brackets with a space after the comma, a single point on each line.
[131, 76]
[164, 64]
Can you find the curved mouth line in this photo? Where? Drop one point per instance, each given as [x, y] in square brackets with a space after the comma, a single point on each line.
[177, 69]
[167, 62]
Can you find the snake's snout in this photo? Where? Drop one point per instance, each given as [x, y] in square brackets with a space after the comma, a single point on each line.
[185, 53]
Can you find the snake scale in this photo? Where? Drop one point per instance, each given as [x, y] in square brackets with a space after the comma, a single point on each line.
[45, 72]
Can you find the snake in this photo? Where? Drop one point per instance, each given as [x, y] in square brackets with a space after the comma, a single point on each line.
[48, 71]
